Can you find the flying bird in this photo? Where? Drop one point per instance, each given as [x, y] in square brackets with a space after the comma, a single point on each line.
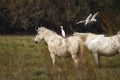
[62, 31]
[89, 19]
[93, 17]
[86, 21]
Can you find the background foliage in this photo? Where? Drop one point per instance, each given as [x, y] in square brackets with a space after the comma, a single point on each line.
[22, 16]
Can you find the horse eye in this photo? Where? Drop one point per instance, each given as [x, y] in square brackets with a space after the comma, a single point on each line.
[38, 34]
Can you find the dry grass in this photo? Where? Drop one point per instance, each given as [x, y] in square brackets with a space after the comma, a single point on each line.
[22, 59]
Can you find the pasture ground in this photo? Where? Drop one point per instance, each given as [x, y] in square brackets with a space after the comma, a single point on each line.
[22, 59]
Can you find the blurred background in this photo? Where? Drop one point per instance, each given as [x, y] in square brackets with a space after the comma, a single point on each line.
[23, 16]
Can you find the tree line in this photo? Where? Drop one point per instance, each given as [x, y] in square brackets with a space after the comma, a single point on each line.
[23, 16]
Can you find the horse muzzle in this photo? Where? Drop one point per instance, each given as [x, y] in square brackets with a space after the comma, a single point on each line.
[36, 42]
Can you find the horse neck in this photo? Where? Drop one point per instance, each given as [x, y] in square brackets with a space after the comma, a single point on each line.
[48, 35]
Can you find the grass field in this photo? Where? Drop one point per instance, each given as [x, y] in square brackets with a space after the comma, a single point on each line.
[22, 59]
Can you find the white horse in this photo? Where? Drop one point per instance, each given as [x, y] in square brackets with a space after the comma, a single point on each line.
[62, 47]
[101, 45]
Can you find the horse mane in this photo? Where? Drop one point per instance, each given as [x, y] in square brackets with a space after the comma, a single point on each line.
[48, 30]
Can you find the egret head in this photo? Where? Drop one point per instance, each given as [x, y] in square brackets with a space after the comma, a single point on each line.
[61, 27]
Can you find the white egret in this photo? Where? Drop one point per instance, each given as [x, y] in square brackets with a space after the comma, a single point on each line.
[93, 17]
[62, 31]
[86, 21]
[81, 22]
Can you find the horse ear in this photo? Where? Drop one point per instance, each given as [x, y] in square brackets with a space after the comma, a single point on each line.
[36, 28]
[42, 27]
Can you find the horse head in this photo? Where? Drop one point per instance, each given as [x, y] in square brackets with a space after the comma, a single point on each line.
[40, 34]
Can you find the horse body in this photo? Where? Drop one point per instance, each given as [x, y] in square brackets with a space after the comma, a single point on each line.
[59, 46]
[62, 47]
[101, 45]
[106, 46]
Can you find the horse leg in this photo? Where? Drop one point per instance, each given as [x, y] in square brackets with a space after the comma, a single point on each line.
[97, 58]
[82, 54]
[53, 58]
[76, 60]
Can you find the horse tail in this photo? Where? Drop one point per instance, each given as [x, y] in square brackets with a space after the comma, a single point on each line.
[82, 53]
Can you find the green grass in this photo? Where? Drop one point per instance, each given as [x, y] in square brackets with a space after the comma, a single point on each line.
[22, 59]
